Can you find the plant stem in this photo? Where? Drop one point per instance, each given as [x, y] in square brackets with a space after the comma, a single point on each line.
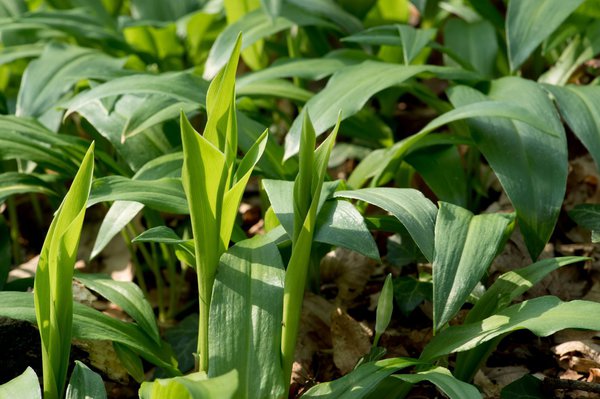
[155, 271]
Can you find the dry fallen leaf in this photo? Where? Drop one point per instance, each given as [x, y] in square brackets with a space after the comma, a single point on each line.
[351, 340]
[349, 270]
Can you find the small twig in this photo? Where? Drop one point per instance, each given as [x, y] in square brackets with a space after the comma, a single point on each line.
[551, 384]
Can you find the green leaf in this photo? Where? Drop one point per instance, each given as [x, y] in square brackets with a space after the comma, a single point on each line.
[460, 262]
[248, 299]
[443, 379]
[338, 223]
[473, 42]
[510, 285]
[361, 381]
[25, 138]
[127, 296]
[272, 7]
[542, 316]
[255, 25]
[385, 306]
[164, 195]
[53, 291]
[54, 73]
[19, 183]
[183, 338]
[588, 216]
[409, 206]
[182, 86]
[526, 387]
[350, 88]
[539, 149]
[500, 295]
[580, 108]
[13, 53]
[313, 69]
[91, 324]
[118, 216]
[528, 23]
[131, 361]
[410, 293]
[192, 386]
[327, 9]
[450, 186]
[157, 10]
[85, 384]
[25, 385]
[410, 39]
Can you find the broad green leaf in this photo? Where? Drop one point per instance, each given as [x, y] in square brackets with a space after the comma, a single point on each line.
[127, 296]
[450, 186]
[278, 88]
[19, 183]
[410, 39]
[158, 10]
[163, 195]
[338, 223]
[350, 88]
[159, 43]
[528, 23]
[313, 69]
[131, 361]
[474, 42]
[79, 23]
[118, 216]
[580, 108]
[255, 26]
[12, 8]
[361, 381]
[123, 212]
[542, 316]
[248, 299]
[53, 291]
[182, 86]
[192, 386]
[510, 285]
[183, 338]
[254, 56]
[588, 216]
[409, 206]
[91, 324]
[115, 122]
[12, 53]
[538, 148]
[272, 7]
[25, 385]
[85, 384]
[26, 138]
[500, 295]
[326, 9]
[526, 387]
[465, 246]
[54, 73]
[410, 293]
[445, 381]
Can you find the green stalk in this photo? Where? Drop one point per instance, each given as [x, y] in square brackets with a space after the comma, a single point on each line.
[307, 192]
[136, 265]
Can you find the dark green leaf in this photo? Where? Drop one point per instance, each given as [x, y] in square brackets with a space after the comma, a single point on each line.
[85, 384]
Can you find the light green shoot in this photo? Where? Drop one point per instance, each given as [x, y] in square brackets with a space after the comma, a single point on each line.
[214, 185]
[53, 291]
[307, 191]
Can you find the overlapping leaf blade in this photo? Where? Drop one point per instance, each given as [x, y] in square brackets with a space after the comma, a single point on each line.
[534, 175]
[53, 280]
[465, 246]
[248, 298]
